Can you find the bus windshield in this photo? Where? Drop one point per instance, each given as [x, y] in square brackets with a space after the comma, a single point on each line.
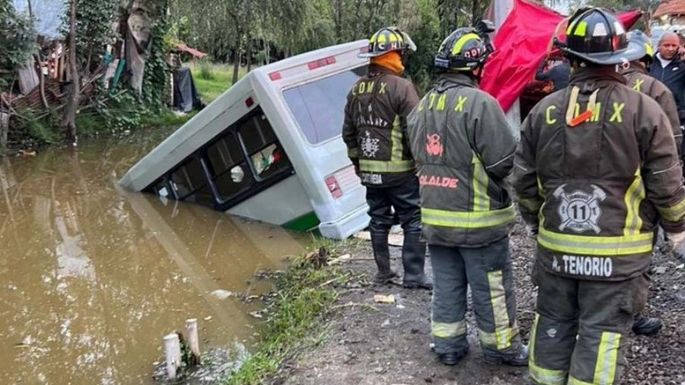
[318, 106]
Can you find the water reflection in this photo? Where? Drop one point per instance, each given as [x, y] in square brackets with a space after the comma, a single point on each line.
[92, 277]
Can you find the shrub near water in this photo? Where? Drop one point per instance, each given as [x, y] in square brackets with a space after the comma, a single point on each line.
[302, 296]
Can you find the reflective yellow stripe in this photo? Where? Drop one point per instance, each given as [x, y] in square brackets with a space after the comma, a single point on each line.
[396, 138]
[541, 190]
[470, 220]
[353, 152]
[673, 213]
[634, 196]
[596, 245]
[456, 50]
[607, 358]
[481, 200]
[493, 339]
[384, 166]
[581, 29]
[574, 381]
[448, 330]
[537, 373]
[503, 332]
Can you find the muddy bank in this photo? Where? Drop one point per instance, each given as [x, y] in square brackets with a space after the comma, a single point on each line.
[375, 343]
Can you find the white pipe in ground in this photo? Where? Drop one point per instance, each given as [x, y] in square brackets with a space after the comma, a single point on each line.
[193, 339]
[172, 350]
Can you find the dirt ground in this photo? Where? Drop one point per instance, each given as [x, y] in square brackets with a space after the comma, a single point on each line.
[374, 343]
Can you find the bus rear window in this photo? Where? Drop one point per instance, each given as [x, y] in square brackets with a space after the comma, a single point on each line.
[318, 106]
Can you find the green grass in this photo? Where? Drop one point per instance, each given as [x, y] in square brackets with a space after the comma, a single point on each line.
[215, 80]
[305, 293]
[166, 118]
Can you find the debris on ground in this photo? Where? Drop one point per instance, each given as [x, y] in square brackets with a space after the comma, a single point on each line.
[382, 344]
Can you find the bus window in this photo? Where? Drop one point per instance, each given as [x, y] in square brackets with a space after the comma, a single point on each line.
[265, 153]
[318, 106]
[229, 169]
[190, 184]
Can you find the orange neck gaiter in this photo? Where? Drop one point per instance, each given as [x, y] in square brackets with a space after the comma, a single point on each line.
[391, 60]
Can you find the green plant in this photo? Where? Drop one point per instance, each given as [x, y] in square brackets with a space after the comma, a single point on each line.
[17, 41]
[34, 128]
[156, 75]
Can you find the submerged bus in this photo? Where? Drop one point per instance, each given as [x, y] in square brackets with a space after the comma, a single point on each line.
[269, 148]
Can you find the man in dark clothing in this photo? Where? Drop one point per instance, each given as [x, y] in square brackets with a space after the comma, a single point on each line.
[670, 70]
[374, 131]
[635, 73]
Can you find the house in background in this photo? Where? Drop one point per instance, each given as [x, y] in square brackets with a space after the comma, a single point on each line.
[670, 12]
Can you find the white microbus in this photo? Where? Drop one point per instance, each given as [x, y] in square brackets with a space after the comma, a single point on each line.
[269, 148]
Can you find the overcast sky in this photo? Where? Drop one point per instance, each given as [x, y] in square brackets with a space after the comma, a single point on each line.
[47, 12]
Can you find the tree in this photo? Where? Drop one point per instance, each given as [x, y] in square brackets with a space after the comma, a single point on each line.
[74, 86]
[17, 41]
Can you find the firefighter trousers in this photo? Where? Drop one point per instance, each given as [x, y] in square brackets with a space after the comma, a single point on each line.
[581, 328]
[404, 199]
[488, 272]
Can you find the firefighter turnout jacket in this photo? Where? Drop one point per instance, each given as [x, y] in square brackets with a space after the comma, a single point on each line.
[375, 125]
[640, 81]
[596, 171]
[463, 148]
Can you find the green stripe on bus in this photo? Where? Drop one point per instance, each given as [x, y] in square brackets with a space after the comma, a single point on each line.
[304, 223]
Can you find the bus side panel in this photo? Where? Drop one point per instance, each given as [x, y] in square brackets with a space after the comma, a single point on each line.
[278, 204]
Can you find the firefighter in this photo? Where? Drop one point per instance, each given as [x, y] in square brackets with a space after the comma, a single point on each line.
[464, 148]
[374, 131]
[636, 73]
[596, 171]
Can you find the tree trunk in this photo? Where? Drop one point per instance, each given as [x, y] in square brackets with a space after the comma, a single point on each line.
[248, 35]
[238, 50]
[236, 64]
[73, 89]
[248, 53]
[474, 11]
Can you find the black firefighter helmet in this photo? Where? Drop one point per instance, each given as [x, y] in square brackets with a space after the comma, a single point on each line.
[465, 49]
[595, 35]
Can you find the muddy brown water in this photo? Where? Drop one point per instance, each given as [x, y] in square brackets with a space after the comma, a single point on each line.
[92, 277]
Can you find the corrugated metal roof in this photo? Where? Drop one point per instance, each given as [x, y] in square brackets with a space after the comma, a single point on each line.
[670, 7]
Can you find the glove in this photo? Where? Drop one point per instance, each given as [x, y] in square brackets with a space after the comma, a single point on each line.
[676, 241]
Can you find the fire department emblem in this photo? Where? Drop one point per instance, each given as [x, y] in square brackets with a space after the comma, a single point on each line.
[580, 211]
[433, 145]
[369, 145]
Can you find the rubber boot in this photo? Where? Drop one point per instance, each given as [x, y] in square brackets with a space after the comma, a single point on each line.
[517, 355]
[413, 259]
[646, 326]
[381, 254]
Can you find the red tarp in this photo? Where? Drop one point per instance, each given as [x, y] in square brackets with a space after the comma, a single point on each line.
[520, 44]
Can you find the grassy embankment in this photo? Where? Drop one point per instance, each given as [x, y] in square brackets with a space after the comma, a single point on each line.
[304, 294]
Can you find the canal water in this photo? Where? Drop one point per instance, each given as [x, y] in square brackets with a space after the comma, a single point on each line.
[92, 277]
